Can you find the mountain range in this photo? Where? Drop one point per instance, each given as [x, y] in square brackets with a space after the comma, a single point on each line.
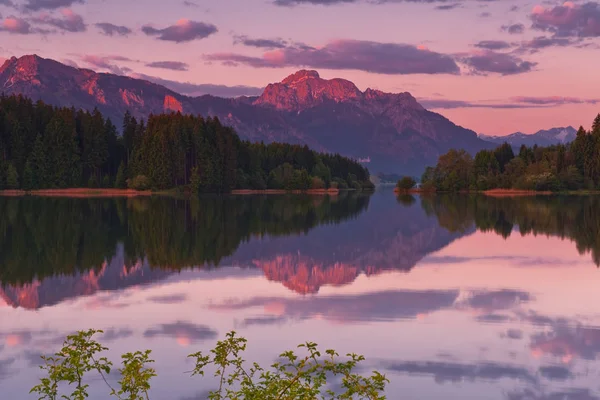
[390, 132]
[546, 137]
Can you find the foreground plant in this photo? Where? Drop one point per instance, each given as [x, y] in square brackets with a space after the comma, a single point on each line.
[293, 377]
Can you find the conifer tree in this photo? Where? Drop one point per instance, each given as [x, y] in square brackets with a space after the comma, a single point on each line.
[29, 179]
[12, 177]
[121, 179]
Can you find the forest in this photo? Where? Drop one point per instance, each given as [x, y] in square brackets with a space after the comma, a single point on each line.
[45, 147]
[564, 167]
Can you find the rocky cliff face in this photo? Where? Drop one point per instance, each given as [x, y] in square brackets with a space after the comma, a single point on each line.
[390, 130]
[62, 85]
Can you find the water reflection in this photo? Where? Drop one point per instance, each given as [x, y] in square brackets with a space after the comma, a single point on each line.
[572, 217]
[488, 298]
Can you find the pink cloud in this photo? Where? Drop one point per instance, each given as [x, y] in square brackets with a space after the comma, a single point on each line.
[381, 58]
[70, 21]
[184, 30]
[16, 25]
[568, 19]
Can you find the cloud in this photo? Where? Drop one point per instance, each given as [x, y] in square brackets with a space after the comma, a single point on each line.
[113, 334]
[289, 3]
[566, 342]
[106, 64]
[493, 318]
[555, 373]
[382, 58]
[260, 43]
[457, 372]
[184, 332]
[16, 26]
[381, 306]
[263, 320]
[553, 100]
[493, 44]
[485, 14]
[446, 7]
[183, 31]
[169, 299]
[569, 19]
[190, 4]
[70, 21]
[5, 368]
[172, 65]
[566, 394]
[513, 29]
[542, 42]
[37, 5]
[488, 61]
[111, 30]
[69, 62]
[496, 300]
[292, 3]
[199, 89]
[514, 334]
[7, 3]
[511, 103]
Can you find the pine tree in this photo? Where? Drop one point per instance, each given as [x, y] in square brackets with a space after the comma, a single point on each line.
[38, 163]
[29, 181]
[596, 125]
[121, 180]
[195, 180]
[12, 177]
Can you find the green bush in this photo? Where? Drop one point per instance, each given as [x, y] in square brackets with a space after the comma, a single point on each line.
[406, 183]
[317, 183]
[294, 377]
[140, 182]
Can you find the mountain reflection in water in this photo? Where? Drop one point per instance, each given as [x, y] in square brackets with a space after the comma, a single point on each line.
[491, 298]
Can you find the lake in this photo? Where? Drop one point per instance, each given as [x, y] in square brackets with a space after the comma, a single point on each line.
[464, 297]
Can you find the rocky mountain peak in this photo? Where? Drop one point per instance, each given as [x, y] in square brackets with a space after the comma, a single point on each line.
[306, 89]
[300, 76]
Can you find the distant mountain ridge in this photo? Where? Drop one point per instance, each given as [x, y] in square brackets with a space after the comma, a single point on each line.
[392, 130]
[547, 137]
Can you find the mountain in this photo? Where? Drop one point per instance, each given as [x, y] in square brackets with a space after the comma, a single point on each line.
[547, 137]
[392, 132]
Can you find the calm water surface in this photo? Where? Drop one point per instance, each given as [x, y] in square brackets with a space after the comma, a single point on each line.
[453, 298]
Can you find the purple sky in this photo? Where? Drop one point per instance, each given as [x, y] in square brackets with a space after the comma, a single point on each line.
[495, 66]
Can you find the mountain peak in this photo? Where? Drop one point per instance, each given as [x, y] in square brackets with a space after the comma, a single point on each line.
[300, 76]
[305, 89]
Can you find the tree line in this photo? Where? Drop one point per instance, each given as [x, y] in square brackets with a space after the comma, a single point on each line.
[573, 166]
[46, 147]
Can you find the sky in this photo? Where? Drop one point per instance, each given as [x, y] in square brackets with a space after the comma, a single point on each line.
[494, 66]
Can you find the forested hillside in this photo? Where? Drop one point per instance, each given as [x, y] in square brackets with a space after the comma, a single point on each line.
[573, 166]
[43, 147]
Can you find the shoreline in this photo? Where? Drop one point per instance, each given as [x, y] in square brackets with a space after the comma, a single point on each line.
[516, 193]
[91, 193]
[76, 192]
[283, 191]
[412, 191]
